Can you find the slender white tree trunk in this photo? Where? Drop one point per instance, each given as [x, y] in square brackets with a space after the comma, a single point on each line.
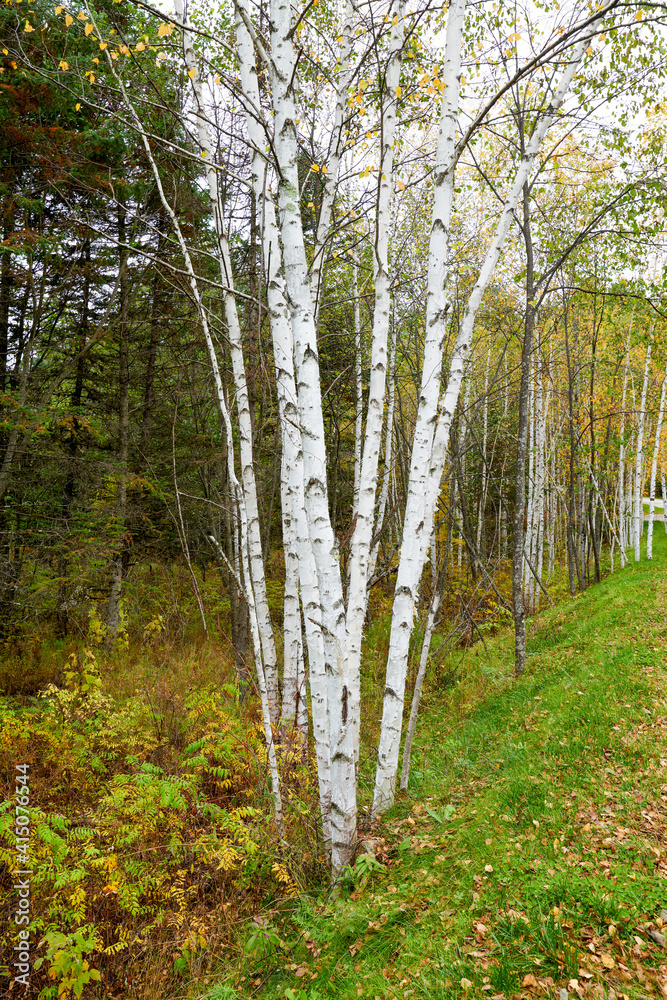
[654, 469]
[358, 389]
[639, 462]
[484, 476]
[540, 475]
[306, 360]
[329, 171]
[528, 578]
[224, 413]
[257, 578]
[281, 331]
[622, 525]
[419, 684]
[419, 513]
[388, 445]
[291, 609]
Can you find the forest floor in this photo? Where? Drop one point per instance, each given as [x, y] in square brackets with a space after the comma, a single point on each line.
[530, 853]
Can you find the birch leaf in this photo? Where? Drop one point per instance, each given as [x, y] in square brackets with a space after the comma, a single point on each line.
[165, 29]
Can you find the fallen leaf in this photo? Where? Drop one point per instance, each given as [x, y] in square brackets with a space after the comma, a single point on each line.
[529, 980]
[466, 984]
[607, 961]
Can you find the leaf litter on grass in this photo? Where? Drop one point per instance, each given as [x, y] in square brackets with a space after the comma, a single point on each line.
[535, 859]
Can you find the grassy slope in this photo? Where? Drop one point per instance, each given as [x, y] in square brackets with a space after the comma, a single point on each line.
[530, 855]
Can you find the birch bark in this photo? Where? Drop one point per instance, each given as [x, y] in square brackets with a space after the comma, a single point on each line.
[622, 525]
[437, 309]
[224, 413]
[417, 527]
[333, 166]
[343, 775]
[639, 462]
[360, 544]
[654, 469]
[257, 577]
[283, 347]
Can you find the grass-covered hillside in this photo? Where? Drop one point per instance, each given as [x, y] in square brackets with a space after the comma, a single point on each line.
[530, 854]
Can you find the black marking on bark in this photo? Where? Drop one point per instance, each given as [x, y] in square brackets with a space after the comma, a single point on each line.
[344, 703]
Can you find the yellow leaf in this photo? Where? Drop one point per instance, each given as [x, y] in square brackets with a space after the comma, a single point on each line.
[96, 61]
[216, 78]
[394, 19]
[401, 186]
[91, 77]
[139, 47]
[28, 27]
[165, 29]
[59, 9]
[88, 30]
[68, 20]
[77, 107]
[81, 15]
[192, 73]
[315, 169]
[103, 46]
[399, 91]
[124, 50]
[63, 64]
[5, 52]
[324, 170]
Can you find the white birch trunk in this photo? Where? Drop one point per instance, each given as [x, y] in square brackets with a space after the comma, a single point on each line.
[485, 433]
[419, 684]
[540, 476]
[341, 734]
[330, 178]
[362, 535]
[419, 515]
[281, 331]
[388, 445]
[224, 413]
[358, 390]
[528, 579]
[257, 574]
[291, 609]
[463, 431]
[654, 469]
[622, 525]
[639, 462]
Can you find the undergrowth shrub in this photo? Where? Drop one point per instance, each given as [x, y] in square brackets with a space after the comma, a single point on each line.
[151, 833]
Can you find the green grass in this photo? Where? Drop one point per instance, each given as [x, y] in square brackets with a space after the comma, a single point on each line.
[530, 847]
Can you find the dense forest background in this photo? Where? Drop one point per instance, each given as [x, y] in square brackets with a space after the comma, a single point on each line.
[157, 641]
